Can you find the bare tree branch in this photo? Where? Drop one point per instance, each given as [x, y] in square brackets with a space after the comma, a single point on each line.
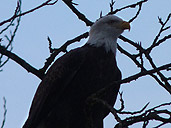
[167, 86]
[135, 112]
[128, 6]
[161, 29]
[131, 78]
[122, 102]
[111, 5]
[138, 12]
[133, 58]
[63, 48]
[5, 113]
[151, 114]
[148, 72]
[21, 62]
[48, 2]
[12, 34]
[78, 13]
[156, 41]
[163, 78]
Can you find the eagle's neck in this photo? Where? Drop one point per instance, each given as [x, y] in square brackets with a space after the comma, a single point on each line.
[109, 42]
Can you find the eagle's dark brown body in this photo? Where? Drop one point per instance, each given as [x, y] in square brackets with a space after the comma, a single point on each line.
[60, 98]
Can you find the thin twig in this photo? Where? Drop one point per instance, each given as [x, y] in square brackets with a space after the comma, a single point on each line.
[111, 5]
[138, 12]
[122, 102]
[159, 42]
[161, 29]
[21, 62]
[135, 77]
[132, 57]
[63, 48]
[135, 112]
[128, 6]
[12, 34]
[151, 114]
[5, 113]
[29, 11]
[148, 72]
[50, 44]
[80, 16]
[163, 78]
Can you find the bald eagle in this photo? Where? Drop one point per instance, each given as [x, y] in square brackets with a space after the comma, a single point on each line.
[60, 100]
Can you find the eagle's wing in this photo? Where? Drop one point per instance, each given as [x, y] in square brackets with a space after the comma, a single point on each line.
[52, 86]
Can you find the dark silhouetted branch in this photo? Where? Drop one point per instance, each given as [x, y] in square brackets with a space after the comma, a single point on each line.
[133, 58]
[50, 44]
[5, 113]
[128, 6]
[148, 72]
[21, 62]
[122, 102]
[135, 112]
[63, 48]
[163, 28]
[132, 78]
[138, 12]
[167, 86]
[111, 5]
[151, 114]
[10, 38]
[78, 13]
[48, 2]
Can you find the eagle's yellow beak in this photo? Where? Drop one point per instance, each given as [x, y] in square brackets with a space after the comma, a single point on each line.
[125, 25]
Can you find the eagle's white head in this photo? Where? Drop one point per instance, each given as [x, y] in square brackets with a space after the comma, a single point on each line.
[105, 31]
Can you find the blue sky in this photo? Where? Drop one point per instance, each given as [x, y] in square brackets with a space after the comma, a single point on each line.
[60, 24]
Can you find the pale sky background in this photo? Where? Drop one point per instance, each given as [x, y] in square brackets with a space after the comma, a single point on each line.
[60, 24]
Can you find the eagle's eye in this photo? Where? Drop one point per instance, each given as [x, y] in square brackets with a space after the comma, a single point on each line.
[112, 21]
